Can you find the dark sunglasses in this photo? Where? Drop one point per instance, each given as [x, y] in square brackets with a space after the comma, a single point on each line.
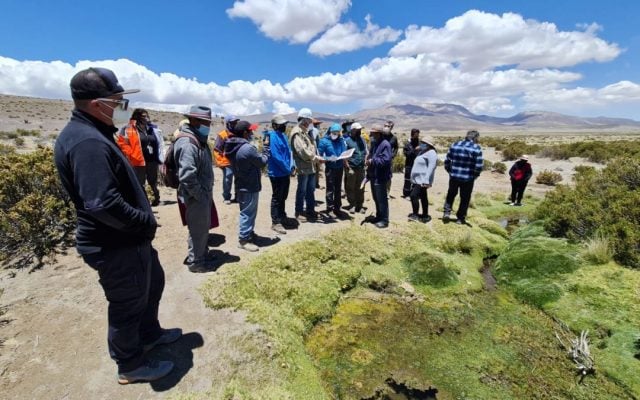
[123, 103]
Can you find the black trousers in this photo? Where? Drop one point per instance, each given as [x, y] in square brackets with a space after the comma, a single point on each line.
[465, 188]
[334, 188]
[280, 189]
[517, 190]
[419, 197]
[133, 281]
[151, 169]
[407, 187]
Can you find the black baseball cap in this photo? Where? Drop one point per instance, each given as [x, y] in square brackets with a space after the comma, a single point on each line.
[94, 83]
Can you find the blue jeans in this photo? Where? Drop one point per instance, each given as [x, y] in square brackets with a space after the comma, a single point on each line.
[227, 181]
[379, 193]
[305, 193]
[248, 210]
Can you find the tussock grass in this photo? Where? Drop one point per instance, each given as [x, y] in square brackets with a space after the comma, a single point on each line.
[597, 250]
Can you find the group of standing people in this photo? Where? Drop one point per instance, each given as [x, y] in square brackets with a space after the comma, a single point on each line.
[105, 154]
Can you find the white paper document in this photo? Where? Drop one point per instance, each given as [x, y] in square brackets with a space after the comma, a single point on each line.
[345, 154]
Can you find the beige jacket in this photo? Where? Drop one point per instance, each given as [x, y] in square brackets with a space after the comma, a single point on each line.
[304, 151]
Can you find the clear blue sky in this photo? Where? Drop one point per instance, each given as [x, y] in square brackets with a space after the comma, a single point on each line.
[575, 57]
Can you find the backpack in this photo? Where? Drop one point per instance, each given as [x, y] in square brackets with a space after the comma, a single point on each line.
[169, 167]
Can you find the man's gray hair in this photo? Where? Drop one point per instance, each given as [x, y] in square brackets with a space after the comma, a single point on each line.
[473, 135]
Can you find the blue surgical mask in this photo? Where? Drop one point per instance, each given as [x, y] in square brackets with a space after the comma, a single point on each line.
[203, 130]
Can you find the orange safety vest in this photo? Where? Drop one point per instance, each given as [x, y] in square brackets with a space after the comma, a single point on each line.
[218, 150]
[130, 145]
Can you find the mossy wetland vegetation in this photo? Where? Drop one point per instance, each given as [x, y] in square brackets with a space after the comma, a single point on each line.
[433, 310]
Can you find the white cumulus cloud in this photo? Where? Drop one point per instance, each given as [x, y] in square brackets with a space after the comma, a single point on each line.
[346, 37]
[278, 107]
[478, 40]
[297, 21]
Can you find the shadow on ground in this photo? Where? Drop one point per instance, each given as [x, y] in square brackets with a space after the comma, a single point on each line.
[181, 353]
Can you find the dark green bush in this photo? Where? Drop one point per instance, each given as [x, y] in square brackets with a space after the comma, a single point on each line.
[514, 150]
[36, 217]
[487, 165]
[603, 202]
[547, 177]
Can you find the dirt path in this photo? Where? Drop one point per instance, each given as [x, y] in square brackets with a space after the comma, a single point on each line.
[55, 338]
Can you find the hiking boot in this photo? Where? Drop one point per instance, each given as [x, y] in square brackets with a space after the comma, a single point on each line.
[512, 204]
[248, 246]
[147, 372]
[168, 336]
[425, 219]
[227, 202]
[289, 223]
[278, 228]
[347, 207]
[382, 224]
[461, 221]
[301, 217]
[413, 218]
[341, 214]
[200, 268]
[518, 204]
[312, 216]
[446, 216]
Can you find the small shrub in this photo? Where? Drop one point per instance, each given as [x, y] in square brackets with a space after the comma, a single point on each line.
[584, 169]
[549, 178]
[514, 150]
[36, 217]
[19, 141]
[487, 165]
[397, 165]
[499, 167]
[28, 132]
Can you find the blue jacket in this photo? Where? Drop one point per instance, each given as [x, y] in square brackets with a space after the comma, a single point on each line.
[246, 162]
[280, 163]
[330, 148]
[381, 155]
[464, 160]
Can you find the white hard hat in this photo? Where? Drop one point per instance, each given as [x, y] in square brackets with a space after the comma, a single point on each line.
[305, 113]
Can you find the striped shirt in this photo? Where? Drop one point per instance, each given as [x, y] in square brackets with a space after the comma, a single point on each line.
[464, 160]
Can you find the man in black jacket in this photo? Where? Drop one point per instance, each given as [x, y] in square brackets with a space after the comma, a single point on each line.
[411, 150]
[387, 133]
[115, 223]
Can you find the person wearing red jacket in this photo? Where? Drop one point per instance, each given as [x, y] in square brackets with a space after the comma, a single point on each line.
[520, 173]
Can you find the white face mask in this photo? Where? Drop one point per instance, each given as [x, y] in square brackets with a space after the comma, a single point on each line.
[120, 117]
[334, 136]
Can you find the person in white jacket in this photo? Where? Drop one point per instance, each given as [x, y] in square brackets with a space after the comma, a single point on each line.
[422, 174]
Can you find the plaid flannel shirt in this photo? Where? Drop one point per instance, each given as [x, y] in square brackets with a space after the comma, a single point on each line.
[464, 160]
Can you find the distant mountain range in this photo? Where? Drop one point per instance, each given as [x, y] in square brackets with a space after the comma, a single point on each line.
[444, 117]
[50, 116]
